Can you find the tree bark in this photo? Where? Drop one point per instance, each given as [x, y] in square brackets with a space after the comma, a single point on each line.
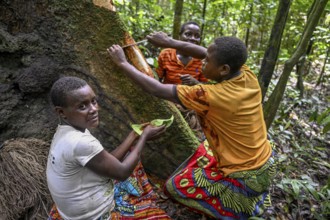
[301, 64]
[177, 18]
[300, 71]
[320, 79]
[249, 25]
[274, 100]
[203, 19]
[47, 39]
[300, 67]
[271, 54]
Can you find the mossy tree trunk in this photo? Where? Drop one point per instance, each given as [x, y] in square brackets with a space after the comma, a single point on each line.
[42, 40]
[271, 54]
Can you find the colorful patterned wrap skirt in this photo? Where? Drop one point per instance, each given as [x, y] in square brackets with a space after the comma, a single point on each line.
[199, 185]
[134, 199]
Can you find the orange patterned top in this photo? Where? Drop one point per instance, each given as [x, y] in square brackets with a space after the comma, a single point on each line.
[170, 67]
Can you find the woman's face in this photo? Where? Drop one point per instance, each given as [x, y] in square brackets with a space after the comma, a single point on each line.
[82, 108]
[211, 68]
[191, 33]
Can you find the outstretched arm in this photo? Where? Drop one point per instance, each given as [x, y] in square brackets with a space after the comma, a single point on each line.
[160, 39]
[148, 84]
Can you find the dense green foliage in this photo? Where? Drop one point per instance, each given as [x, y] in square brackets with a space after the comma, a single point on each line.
[228, 17]
[301, 128]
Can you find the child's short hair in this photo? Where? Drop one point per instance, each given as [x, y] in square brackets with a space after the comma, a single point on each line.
[231, 51]
[62, 87]
[185, 24]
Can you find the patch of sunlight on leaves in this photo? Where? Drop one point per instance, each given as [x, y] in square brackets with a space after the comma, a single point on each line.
[282, 157]
[294, 187]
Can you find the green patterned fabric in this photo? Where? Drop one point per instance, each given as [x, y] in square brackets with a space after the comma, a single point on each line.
[200, 185]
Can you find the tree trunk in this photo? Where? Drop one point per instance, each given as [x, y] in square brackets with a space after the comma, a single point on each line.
[47, 39]
[271, 54]
[203, 19]
[249, 25]
[300, 67]
[301, 64]
[300, 72]
[177, 18]
[320, 79]
[275, 99]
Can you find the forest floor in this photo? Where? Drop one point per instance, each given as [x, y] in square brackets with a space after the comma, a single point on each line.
[301, 189]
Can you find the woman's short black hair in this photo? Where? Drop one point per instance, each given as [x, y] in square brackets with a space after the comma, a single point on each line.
[62, 87]
[185, 24]
[231, 51]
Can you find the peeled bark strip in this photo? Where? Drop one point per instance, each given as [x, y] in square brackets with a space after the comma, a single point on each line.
[136, 57]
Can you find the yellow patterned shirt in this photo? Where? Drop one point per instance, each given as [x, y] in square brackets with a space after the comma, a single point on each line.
[232, 120]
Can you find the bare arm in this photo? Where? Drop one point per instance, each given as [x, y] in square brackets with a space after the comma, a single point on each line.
[106, 164]
[148, 84]
[123, 148]
[160, 39]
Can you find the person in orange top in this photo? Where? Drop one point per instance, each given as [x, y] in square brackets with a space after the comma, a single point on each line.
[229, 174]
[177, 67]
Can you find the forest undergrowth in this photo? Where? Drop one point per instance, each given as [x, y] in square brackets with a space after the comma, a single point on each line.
[301, 188]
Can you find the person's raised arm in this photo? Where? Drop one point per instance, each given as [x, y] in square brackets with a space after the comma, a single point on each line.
[160, 39]
[147, 83]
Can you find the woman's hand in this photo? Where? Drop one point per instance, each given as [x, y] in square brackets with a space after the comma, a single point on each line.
[152, 132]
[159, 39]
[188, 80]
[117, 54]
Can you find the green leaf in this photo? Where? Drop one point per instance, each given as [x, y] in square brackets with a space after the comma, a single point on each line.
[312, 190]
[325, 120]
[160, 122]
[282, 157]
[138, 128]
[326, 128]
[121, 2]
[295, 187]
